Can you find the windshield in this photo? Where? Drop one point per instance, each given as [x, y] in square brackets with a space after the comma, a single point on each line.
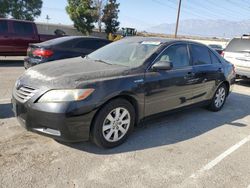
[238, 45]
[125, 52]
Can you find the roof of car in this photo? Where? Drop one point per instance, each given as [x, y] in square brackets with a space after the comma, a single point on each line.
[160, 39]
[151, 39]
[17, 20]
[81, 37]
[60, 40]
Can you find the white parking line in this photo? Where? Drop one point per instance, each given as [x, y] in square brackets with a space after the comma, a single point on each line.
[220, 158]
[248, 186]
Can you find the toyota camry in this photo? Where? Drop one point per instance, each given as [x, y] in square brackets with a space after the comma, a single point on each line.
[105, 94]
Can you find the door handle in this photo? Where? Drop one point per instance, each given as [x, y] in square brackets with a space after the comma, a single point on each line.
[189, 75]
[219, 70]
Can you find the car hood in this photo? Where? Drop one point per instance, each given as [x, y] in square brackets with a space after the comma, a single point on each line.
[71, 73]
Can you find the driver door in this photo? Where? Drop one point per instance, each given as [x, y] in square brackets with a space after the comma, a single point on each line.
[170, 89]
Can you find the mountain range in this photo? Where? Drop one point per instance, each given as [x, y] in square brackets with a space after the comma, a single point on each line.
[205, 28]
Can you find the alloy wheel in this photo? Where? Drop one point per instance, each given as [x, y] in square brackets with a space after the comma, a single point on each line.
[116, 124]
[220, 97]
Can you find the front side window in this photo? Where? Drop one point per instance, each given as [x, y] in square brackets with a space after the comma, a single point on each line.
[22, 28]
[200, 55]
[126, 52]
[177, 55]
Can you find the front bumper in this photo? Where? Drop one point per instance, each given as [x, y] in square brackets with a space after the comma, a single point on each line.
[61, 121]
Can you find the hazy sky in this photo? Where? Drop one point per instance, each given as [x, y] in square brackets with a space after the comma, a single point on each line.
[143, 14]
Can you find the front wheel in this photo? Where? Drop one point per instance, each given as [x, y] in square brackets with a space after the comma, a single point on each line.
[113, 123]
[219, 98]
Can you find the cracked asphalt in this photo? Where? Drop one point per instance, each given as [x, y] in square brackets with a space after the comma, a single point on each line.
[162, 152]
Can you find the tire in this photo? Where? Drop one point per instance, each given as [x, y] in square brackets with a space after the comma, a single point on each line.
[219, 98]
[110, 128]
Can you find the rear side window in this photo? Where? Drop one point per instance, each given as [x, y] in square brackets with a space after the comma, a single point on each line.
[238, 45]
[214, 59]
[22, 28]
[200, 55]
[91, 44]
[67, 44]
[3, 26]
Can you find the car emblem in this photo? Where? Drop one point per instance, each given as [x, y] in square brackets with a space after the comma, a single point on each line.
[18, 84]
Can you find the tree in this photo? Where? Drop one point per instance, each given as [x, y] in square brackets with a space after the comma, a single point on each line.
[99, 5]
[4, 8]
[21, 9]
[110, 16]
[83, 14]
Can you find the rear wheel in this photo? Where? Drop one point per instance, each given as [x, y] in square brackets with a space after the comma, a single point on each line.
[113, 123]
[219, 98]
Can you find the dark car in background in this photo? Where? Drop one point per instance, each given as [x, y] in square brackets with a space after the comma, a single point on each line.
[16, 35]
[62, 48]
[218, 48]
[103, 95]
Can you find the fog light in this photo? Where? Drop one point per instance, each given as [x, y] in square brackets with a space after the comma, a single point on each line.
[48, 131]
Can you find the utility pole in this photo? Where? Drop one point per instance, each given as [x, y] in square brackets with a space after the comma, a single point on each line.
[177, 20]
[47, 18]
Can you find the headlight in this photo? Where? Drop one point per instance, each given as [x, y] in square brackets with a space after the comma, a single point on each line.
[65, 95]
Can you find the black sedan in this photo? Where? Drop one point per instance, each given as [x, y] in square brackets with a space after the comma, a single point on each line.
[104, 95]
[62, 48]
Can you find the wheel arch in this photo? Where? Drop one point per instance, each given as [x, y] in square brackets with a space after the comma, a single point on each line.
[125, 96]
[226, 83]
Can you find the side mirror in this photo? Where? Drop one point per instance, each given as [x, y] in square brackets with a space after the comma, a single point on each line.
[162, 65]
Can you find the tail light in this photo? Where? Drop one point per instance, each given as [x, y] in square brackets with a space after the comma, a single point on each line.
[222, 53]
[43, 53]
[234, 72]
[28, 51]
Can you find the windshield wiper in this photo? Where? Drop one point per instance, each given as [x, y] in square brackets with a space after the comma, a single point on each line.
[101, 61]
[98, 60]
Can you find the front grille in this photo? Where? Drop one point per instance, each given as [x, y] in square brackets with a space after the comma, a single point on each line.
[24, 93]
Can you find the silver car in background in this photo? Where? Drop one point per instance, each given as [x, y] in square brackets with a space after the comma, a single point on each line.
[238, 53]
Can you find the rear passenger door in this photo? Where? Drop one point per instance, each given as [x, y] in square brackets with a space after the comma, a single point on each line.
[207, 69]
[24, 34]
[6, 44]
[170, 89]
